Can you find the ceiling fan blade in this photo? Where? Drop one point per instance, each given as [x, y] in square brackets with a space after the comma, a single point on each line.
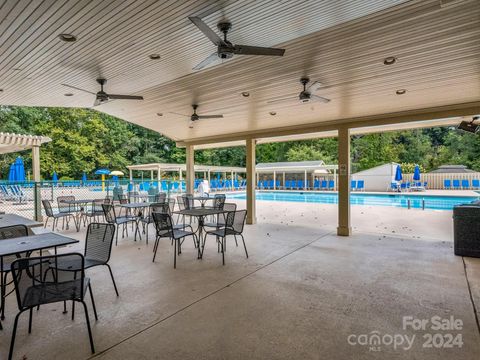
[282, 100]
[77, 88]
[210, 116]
[256, 50]
[98, 102]
[174, 113]
[212, 58]
[319, 99]
[212, 35]
[124, 97]
[314, 87]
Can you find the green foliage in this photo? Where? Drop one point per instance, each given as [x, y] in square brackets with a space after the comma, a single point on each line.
[409, 168]
[85, 140]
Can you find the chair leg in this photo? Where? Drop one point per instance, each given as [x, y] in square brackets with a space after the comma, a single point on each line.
[245, 247]
[46, 221]
[116, 231]
[175, 253]
[14, 333]
[155, 249]
[73, 310]
[223, 252]
[88, 327]
[93, 301]
[30, 321]
[235, 237]
[113, 279]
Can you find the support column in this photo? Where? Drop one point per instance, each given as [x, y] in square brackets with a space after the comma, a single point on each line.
[305, 181]
[151, 175]
[344, 227]
[130, 176]
[284, 186]
[274, 180]
[251, 215]
[190, 173]
[159, 179]
[231, 180]
[36, 177]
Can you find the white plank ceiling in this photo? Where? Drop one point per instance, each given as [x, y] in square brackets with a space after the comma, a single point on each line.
[341, 43]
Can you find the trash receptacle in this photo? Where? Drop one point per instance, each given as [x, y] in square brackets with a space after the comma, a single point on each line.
[466, 230]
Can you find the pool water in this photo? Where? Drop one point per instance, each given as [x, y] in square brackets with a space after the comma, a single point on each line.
[432, 202]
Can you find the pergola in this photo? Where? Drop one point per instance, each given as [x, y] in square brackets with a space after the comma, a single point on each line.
[382, 64]
[206, 170]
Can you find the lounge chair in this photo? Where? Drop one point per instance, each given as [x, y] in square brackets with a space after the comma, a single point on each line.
[316, 185]
[300, 185]
[361, 185]
[456, 184]
[308, 187]
[331, 185]
[353, 185]
[447, 184]
[277, 184]
[475, 184]
[465, 184]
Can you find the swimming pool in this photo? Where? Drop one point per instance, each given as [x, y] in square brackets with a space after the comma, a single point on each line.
[432, 202]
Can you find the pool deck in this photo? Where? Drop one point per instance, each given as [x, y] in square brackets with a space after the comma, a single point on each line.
[300, 295]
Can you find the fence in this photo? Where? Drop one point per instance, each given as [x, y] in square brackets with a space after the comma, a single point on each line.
[436, 180]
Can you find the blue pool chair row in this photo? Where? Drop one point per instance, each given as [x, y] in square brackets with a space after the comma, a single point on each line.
[463, 184]
[323, 185]
[12, 192]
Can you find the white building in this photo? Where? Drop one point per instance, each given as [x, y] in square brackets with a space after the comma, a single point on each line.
[377, 178]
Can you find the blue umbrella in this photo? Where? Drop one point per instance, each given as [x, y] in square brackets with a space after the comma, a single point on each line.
[102, 172]
[115, 179]
[398, 173]
[416, 173]
[55, 177]
[19, 169]
[84, 177]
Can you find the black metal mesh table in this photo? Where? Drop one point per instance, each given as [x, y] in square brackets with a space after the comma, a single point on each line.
[14, 219]
[200, 213]
[28, 244]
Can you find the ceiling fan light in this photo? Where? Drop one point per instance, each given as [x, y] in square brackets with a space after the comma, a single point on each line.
[67, 37]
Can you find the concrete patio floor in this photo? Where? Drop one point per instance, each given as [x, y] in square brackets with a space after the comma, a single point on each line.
[300, 295]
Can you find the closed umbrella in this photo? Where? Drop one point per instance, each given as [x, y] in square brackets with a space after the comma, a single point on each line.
[19, 169]
[84, 177]
[398, 173]
[416, 173]
[54, 177]
[11, 173]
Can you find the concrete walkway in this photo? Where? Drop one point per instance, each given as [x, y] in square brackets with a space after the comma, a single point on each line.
[302, 294]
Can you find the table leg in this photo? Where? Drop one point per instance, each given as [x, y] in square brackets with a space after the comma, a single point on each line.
[201, 240]
[2, 288]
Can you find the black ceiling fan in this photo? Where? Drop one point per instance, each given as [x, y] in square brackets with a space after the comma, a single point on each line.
[195, 116]
[306, 95]
[225, 49]
[102, 97]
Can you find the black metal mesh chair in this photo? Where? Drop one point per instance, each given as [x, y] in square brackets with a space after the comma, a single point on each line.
[111, 217]
[234, 223]
[37, 283]
[164, 229]
[55, 216]
[218, 201]
[161, 197]
[220, 221]
[98, 248]
[64, 207]
[9, 232]
[95, 211]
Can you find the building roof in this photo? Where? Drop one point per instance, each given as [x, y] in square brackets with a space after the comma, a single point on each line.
[16, 142]
[451, 169]
[341, 44]
[183, 167]
[292, 166]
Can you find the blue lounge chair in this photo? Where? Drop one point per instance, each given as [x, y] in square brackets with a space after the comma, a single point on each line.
[447, 184]
[456, 184]
[465, 184]
[287, 185]
[270, 184]
[300, 185]
[277, 184]
[316, 184]
[353, 185]
[360, 185]
[236, 185]
[475, 183]
[331, 185]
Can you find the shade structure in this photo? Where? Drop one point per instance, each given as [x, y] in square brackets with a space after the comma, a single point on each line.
[398, 173]
[84, 177]
[117, 173]
[416, 173]
[102, 171]
[54, 177]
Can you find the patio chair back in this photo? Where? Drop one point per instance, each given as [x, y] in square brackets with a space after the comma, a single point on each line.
[109, 212]
[97, 206]
[456, 184]
[236, 220]
[9, 232]
[465, 184]
[47, 207]
[163, 208]
[447, 184]
[98, 242]
[476, 183]
[37, 283]
[163, 224]
[160, 197]
[123, 199]
[353, 184]
[63, 207]
[219, 201]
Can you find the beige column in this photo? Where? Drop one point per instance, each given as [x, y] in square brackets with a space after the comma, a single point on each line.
[208, 174]
[344, 226]
[231, 179]
[130, 174]
[251, 184]
[36, 177]
[274, 180]
[284, 187]
[151, 175]
[305, 181]
[190, 173]
[159, 179]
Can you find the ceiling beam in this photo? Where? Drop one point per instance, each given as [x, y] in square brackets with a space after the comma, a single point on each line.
[439, 112]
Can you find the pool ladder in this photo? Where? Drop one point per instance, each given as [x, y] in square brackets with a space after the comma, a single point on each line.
[409, 204]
